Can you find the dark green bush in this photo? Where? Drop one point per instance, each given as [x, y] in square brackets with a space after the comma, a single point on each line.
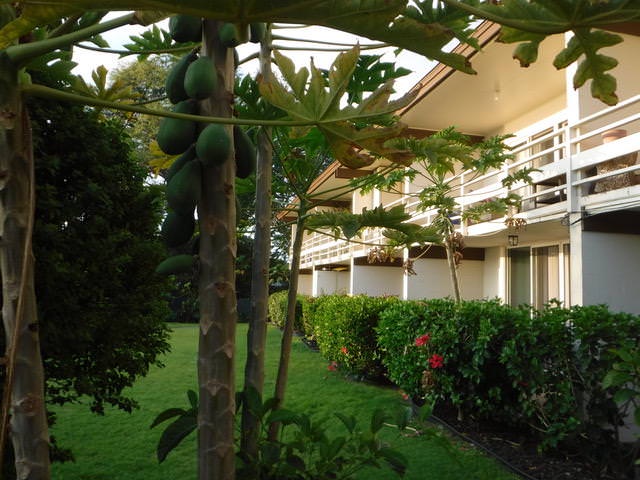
[344, 328]
[278, 310]
[541, 369]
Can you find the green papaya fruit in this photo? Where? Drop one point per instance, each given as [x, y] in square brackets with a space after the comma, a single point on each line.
[185, 28]
[232, 35]
[175, 135]
[213, 145]
[257, 31]
[245, 152]
[180, 162]
[201, 78]
[177, 229]
[183, 191]
[174, 84]
[176, 264]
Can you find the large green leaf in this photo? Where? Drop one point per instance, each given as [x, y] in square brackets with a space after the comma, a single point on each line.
[529, 22]
[356, 134]
[375, 19]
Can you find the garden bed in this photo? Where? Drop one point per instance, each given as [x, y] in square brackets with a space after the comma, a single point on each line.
[518, 450]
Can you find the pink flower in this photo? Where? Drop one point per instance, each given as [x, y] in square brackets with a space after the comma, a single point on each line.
[436, 361]
[422, 340]
[332, 367]
[344, 350]
[404, 395]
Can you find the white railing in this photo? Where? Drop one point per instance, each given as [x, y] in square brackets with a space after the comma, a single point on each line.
[575, 170]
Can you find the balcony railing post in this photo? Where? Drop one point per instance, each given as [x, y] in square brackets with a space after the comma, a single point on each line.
[573, 193]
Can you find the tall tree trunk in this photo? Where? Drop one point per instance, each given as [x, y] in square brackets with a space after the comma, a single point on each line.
[217, 294]
[453, 269]
[287, 334]
[23, 397]
[256, 338]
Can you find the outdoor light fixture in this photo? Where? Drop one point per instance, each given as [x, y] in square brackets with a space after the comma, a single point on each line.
[513, 240]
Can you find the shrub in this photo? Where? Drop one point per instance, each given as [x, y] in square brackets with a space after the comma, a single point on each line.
[344, 328]
[400, 324]
[278, 310]
[540, 369]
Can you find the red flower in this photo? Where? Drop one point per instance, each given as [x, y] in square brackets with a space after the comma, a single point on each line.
[344, 350]
[422, 340]
[404, 395]
[332, 367]
[436, 361]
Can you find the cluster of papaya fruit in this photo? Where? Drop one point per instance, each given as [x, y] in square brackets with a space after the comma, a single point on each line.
[195, 78]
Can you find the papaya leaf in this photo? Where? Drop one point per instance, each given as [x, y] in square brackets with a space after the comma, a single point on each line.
[152, 39]
[175, 432]
[369, 74]
[117, 91]
[159, 160]
[316, 97]
[57, 63]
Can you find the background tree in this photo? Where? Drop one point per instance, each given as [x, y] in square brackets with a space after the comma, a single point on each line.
[101, 306]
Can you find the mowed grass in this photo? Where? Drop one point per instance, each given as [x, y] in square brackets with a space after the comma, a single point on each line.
[121, 446]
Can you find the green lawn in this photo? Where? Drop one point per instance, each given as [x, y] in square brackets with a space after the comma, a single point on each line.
[120, 446]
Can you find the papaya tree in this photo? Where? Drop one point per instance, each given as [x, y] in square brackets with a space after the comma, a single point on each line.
[423, 27]
[438, 158]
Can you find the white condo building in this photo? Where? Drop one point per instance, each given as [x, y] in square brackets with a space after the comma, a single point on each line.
[581, 242]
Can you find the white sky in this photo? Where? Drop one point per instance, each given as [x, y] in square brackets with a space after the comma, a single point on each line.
[89, 60]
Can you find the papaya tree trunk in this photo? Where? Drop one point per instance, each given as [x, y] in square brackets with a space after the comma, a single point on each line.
[23, 396]
[217, 294]
[256, 338]
[287, 334]
[453, 269]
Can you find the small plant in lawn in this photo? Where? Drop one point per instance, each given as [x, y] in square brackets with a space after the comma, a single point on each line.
[303, 450]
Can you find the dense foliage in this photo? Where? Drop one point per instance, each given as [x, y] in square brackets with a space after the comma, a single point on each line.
[344, 328]
[538, 371]
[101, 305]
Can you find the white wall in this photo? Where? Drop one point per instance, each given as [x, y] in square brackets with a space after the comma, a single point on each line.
[494, 278]
[330, 282]
[433, 279]
[305, 284]
[376, 281]
[610, 270]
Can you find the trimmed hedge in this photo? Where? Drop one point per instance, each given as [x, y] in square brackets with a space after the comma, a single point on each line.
[537, 370]
[344, 328]
[278, 310]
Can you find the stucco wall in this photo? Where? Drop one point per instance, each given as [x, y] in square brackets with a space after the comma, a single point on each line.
[305, 284]
[433, 279]
[611, 270]
[494, 273]
[376, 281]
[330, 282]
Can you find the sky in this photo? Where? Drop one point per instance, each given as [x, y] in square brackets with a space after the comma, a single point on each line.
[89, 60]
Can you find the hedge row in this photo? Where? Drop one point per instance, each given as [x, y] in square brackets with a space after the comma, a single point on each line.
[541, 370]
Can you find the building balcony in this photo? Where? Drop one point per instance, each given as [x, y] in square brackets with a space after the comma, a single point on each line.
[586, 167]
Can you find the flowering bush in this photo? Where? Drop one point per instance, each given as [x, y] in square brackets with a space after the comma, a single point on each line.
[538, 370]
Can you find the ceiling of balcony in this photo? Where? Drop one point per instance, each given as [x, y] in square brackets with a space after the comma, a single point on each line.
[501, 91]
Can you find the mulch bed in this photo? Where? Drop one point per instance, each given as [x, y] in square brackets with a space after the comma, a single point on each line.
[518, 451]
